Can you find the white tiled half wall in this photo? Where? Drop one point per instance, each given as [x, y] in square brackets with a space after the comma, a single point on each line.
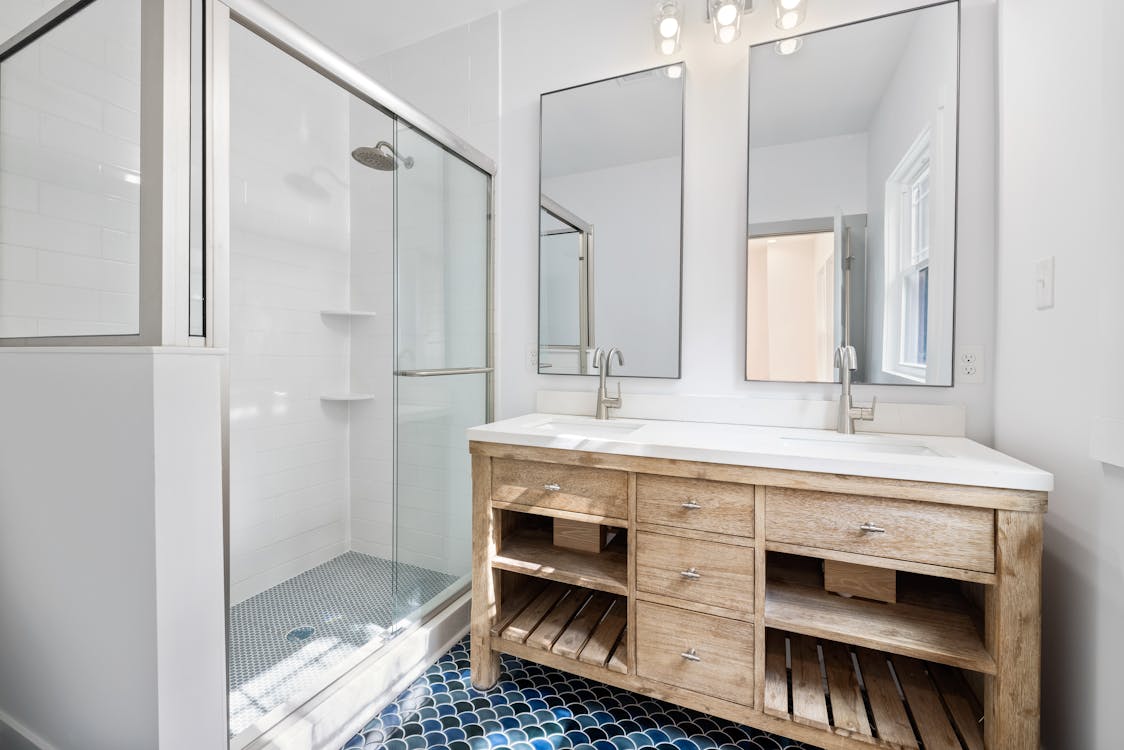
[70, 177]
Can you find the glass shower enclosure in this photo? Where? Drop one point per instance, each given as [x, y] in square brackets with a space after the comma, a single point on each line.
[359, 330]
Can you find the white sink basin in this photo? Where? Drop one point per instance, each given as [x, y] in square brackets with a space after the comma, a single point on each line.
[855, 444]
[576, 427]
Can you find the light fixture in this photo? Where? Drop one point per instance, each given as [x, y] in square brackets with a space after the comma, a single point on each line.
[726, 15]
[789, 46]
[790, 13]
[668, 23]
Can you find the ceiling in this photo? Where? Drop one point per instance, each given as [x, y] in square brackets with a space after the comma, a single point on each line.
[831, 86]
[362, 29]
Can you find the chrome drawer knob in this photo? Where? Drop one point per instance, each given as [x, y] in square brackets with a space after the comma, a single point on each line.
[552, 487]
[691, 505]
[690, 575]
[691, 655]
[870, 528]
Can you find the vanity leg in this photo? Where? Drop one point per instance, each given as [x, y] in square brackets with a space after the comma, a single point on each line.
[485, 588]
[1014, 634]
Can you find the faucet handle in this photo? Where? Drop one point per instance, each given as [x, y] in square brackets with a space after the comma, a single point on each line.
[867, 412]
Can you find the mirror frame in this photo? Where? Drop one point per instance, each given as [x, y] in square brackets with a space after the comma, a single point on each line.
[587, 277]
[955, 207]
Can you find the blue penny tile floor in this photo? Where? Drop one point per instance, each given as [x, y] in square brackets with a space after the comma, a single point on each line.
[538, 708]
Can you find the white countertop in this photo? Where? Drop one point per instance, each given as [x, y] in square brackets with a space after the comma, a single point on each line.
[949, 460]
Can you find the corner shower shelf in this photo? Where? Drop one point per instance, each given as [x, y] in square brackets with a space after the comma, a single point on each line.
[349, 313]
[347, 397]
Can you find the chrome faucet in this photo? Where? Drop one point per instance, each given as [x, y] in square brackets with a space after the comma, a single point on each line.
[848, 361]
[602, 360]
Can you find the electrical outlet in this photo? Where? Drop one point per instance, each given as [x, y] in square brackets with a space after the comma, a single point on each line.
[969, 364]
[532, 357]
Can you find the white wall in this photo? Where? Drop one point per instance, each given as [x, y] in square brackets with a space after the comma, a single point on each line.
[289, 259]
[112, 633]
[1058, 370]
[546, 46]
[809, 179]
[634, 210]
[69, 176]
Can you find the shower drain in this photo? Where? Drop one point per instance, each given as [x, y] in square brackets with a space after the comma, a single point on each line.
[300, 634]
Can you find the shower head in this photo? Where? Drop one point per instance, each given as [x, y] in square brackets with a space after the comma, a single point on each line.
[381, 157]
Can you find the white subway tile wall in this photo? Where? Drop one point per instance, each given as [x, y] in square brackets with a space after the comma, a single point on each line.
[290, 259]
[70, 174]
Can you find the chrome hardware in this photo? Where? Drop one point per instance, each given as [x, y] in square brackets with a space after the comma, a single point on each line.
[691, 505]
[602, 360]
[552, 487]
[872, 529]
[439, 373]
[691, 655]
[691, 574]
[847, 361]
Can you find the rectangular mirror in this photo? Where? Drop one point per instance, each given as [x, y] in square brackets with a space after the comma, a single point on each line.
[852, 201]
[610, 224]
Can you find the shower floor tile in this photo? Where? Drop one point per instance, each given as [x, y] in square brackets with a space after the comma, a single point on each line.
[538, 708]
[284, 640]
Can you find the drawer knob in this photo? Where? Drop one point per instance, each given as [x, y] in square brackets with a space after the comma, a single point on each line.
[690, 575]
[691, 655]
[552, 487]
[691, 505]
[870, 528]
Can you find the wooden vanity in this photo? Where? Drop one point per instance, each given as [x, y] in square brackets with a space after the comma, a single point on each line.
[711, 594]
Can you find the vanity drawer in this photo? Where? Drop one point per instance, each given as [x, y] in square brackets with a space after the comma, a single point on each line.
[581, 489]
[721, 507]
[706, 654]
[718, 575]
[949, 535]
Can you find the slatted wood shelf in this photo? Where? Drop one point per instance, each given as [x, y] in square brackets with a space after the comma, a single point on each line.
[930, 621]
[532, 552]
[935, 709]
[570, 622]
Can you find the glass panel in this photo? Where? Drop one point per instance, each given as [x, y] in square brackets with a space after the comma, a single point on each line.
[442, 239]
[433, 510]
[70, 178]
[196, 292]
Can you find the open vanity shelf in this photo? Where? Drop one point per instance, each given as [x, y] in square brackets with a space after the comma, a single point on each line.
[699, 599]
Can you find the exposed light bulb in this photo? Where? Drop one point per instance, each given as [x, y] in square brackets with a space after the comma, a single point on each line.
[789, 20]
[727, 34]
[790, 4]
[667, 46]
[790, 13]
[726, 14]
[675, 71]
[669, 27]
[789, 46]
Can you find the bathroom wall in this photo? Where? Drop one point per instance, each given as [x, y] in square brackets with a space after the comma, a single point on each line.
[1058, 371]
[18, 14]
[808, 179]
[547, 45]
[290, 259]
[70, 175]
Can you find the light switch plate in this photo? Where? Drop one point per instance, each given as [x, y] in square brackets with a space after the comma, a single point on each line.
[1044, 283]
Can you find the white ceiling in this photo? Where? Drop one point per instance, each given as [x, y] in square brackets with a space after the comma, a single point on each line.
[831, 86]
[626, 120]
[362, 29]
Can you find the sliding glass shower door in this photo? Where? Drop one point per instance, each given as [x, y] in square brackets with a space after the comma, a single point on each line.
[443, 363]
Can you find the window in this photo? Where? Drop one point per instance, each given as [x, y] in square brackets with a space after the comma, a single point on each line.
[909, 219]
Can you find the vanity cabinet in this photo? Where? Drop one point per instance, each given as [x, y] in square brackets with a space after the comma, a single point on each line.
[711, 594]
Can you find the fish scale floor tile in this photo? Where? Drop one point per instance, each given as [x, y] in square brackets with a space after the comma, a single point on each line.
[538, 708]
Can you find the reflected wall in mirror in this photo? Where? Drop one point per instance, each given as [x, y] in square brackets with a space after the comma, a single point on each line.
[852, 201]
[610, 219]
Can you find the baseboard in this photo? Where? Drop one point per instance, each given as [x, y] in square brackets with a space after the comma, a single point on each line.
[334, 716]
